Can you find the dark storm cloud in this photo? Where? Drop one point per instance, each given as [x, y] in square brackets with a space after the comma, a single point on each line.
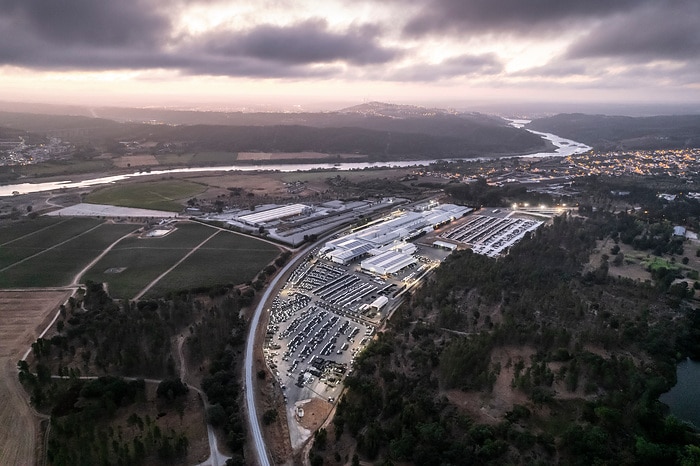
[96, 22]
[669, 31]
[98, 35]
[307, 42]
[532, 17]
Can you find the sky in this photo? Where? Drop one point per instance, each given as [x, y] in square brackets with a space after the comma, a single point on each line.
[330, 53]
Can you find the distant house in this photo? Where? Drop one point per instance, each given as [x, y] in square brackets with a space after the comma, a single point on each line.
[679, 231]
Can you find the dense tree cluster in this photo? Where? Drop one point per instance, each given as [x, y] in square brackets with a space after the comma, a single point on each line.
[224, 393]
[132, 338]
[480, 193]
[95, 331]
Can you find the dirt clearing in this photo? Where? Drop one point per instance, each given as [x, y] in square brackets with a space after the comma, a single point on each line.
[139, 160]
[23, 315]
[490, 408]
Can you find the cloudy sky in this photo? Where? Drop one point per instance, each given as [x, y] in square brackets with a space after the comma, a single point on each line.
[330, 52]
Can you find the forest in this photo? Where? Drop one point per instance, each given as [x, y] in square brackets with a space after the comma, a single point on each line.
[623, 132]
[120, 343]
[379, 137]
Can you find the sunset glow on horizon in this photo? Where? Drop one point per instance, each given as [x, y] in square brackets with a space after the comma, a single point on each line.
[209, 52]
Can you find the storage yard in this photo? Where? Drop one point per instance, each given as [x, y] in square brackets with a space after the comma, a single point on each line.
[339, 294]
[325, 314]
[489, 235]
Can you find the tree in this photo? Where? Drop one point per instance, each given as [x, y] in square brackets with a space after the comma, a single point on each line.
[171, 389]
[269, 416]
[320, 439]
[618, 259]
[216, 415]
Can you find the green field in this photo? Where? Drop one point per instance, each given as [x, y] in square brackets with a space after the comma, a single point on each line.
[65, 167]
[174, 159]
[48, 252]
[655, 263]
[32, 238]
[26, 226]
[143, 259]
[227, 258]
[214, 158]
[168, 195]
[57, 266]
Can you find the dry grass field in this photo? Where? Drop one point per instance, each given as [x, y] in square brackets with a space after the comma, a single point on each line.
[252, 156]
[138, 160]
[23, 315]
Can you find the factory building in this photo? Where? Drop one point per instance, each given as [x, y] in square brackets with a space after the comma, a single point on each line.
[259, 218]
[387, 263]
[390, 234]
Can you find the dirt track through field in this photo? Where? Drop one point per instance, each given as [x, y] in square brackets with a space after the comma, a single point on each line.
[157, 279]
[23, 315]
[50, 248]
[33, 233]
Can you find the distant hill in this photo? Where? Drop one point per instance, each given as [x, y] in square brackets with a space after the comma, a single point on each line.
[381, 131]
[622, 132]
[383, 109]
[379, 145]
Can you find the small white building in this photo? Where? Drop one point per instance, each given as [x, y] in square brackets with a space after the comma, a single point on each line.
[444, 245]
[379, 303]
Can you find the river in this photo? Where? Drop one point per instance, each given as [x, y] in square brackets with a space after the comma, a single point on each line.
[683, 397]
[564, 147]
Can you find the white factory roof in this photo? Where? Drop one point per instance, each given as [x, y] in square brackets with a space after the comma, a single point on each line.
[379, 302]
[273, 214]
[388, 262]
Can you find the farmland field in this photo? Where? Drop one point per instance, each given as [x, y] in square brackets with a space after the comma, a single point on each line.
[174, 159]
[228, 258]
[24, 227]
[22, 317]
[33, 237]
[197, 159]
[165, 195]
[42, 260]
[141, 260]
[64, 167]
[214, 158]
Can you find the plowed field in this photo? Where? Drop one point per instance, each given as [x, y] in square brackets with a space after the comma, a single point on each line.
[23, 315]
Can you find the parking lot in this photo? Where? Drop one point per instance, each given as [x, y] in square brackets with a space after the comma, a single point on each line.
[322, 318]
[491, 235]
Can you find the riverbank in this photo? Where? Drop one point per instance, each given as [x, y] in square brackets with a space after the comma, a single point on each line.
[564, 147]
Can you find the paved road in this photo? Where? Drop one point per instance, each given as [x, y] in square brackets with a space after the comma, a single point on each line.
[253, 419]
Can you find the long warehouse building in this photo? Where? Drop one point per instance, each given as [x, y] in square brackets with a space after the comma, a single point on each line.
[387, 263]
[394, 230]
[259, 218]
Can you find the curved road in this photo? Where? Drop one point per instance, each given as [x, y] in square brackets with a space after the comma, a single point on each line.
[253, 419]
